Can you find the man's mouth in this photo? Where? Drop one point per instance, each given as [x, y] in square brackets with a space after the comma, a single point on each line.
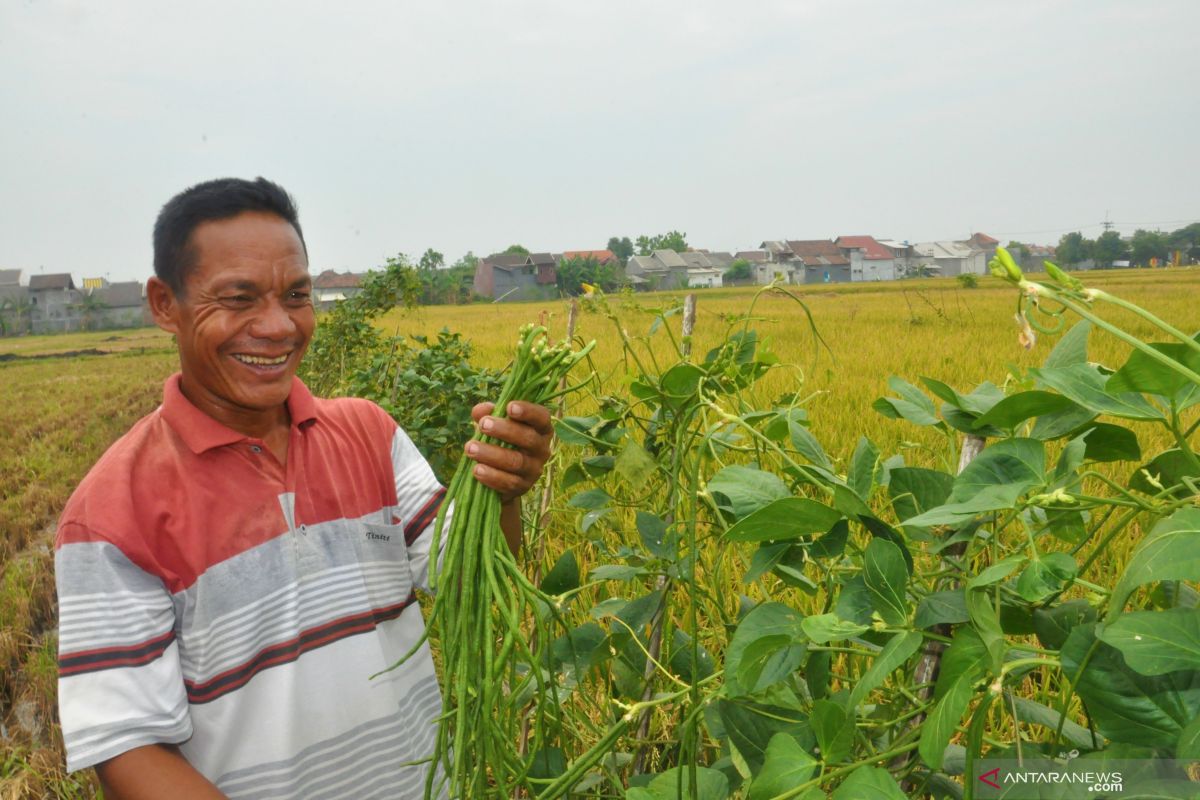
[262, 361]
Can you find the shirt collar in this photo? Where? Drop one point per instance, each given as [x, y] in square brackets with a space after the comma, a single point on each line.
[200, 432]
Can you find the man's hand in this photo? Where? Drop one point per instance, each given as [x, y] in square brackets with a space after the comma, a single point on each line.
[512, 472]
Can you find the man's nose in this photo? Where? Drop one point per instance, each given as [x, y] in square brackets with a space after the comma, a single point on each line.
[273, 322]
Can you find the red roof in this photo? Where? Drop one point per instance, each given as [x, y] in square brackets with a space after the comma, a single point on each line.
[336, 280]
[601, 256]
[983, 239]
[874, 251]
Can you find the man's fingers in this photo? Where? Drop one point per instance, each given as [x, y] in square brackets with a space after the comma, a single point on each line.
[481, 410]
[533, 415]
[518, 434]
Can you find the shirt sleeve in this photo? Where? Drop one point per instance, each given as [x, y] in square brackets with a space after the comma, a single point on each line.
[120, 684]
[419, 497]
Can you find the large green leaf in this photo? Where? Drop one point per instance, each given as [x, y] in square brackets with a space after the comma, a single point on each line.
[1085, 384]
[886, 576]
[834, 730]
[1071, 348]
[563, 576]
[1105, 442]
[1016, 408]
[1167, 469]
[1170, 552]
[963, 664]
[1011, 462]
[767, 646]
[1053, 625]
[1150, 711]
[654, 533]
[861, 476]
[947, 606]
[787, 766]
[822, 628]
[1188, 747]
[1157, 642]
[868, 783]
[785, 518]
[634, 465]
[915, 490]
[1144, 374]
[893, 655]
[673, 784]
[912, 404]
[746, 489]
[750, 726]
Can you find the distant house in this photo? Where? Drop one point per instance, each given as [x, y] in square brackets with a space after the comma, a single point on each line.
[331, 286]
[700, 271]
[983, 243]
[952, 258]
[601, 257]
[824, 261]
[869, 260]
[646, 273]
[123, 305]
[55, 299]
[10, 284]
[516, 276]
[778, 251]
[907, 260]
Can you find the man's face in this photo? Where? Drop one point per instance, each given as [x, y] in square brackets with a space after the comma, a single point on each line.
[245, 316]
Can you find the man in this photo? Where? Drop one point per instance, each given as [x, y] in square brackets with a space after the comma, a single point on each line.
[235, 567]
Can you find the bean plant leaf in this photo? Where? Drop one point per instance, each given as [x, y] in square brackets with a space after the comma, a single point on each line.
[590, 499]
[563, 576]
[745, 490]
[1054, 624]
[681, 381]
[785, 518]
[854, 602]
[1165, 470]
[869, 783]
[681, 658]
[963, 664]
[833, 543]
[1031, 711]
[808, 446]
[765, 558]
[634, 465]
[1085, 384]
[580, 648]
[1071, 348]
[948, 606]
[674, 784]
[1123, 705]
[1170, 552]
[861, 476]
[834, 730]
[912, 405]
[1146, 375]
[786, 766]
[1105, 442]
[886, 577]
[1045, 575]
[1157, 642]
[893, 655]
[1015, 462]
[1017, 408]
[915, 490]
[750, 726]
[823, 628]
[1188, 748]
[576, 430]
[767, 646]
[655, 536]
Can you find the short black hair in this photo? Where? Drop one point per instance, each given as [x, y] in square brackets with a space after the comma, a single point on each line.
[212, 200]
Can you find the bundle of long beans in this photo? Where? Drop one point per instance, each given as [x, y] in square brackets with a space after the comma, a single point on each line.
[482, 598]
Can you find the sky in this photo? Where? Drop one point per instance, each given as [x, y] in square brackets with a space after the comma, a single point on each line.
[400, 126]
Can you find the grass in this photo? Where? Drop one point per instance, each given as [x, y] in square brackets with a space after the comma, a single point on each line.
[62, 412]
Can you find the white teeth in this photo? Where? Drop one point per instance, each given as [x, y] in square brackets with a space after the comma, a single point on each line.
[259, 360]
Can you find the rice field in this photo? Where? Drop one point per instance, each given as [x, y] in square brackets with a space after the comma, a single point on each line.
[66, 398]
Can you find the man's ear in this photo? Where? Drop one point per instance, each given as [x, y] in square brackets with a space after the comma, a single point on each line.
[164, 306]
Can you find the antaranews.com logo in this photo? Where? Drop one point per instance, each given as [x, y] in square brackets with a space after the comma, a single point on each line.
[1082, 779]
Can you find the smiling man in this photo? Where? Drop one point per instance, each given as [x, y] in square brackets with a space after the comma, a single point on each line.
[236, 566]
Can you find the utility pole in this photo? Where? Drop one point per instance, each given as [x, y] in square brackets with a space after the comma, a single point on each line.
[1107, 225]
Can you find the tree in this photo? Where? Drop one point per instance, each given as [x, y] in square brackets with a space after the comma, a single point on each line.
[671, 240]
[1073, 249]
[1109, 248]
[1146, 245]
[89, 307]
[740, 269]
[20, 310]
[1187, 240]
[1020, 251]
[621, 248]
[516, 250]
[574, 272]
[431, 260]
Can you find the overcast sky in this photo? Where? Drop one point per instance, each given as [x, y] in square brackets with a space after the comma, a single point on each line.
[556, 124]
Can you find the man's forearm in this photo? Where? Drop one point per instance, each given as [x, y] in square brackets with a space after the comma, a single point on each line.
[510, 523]
[154, 771]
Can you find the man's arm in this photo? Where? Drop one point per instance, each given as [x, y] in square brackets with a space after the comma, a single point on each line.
[154, 771]
[512, 472]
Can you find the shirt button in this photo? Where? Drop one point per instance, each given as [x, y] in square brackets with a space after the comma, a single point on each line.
[304, 529]
[255, 448]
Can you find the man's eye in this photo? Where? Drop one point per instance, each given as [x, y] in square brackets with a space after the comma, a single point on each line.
[237, 299]
[298, 297]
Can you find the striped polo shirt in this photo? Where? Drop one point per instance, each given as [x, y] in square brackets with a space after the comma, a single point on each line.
[214, 598]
